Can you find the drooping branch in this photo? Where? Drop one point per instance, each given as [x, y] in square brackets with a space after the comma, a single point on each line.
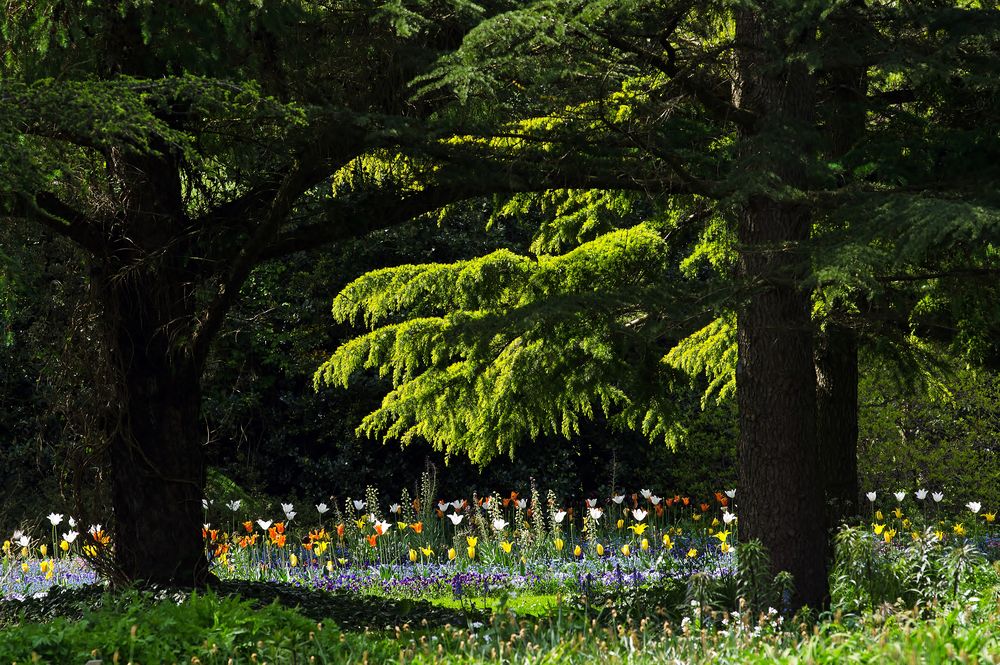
[59, 217]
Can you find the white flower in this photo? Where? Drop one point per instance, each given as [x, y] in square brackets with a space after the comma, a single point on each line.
[596, 513]
[639, 514]
[23, 541]
[559, 516]
[937, 496]
[234, 505]
[206, 526]
[264, 524]
[204, 504]
[97, 527]
[921, 494]
[655, 500]
[287, 507]
[974, 506]
[457, 503]
[522, 503]
[17, 534]
[322, 508]
[900, 496]
[499, 524]
[55, 519]
[645, 493]
[618, 499]
[70, 536]
[443, 506]
[591, 503]
[383, 526]
[456, 518]
[358, 504]
[72, 522]
[476, 624]
[728, 517]
[290, 515]
[394, 508]
[731, 493]
[871, 496]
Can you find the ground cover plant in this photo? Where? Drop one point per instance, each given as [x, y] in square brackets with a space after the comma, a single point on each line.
[632, 577]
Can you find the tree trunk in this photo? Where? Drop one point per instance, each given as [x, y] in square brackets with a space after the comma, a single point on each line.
[780, 496]
[836, 359]
[152, 431]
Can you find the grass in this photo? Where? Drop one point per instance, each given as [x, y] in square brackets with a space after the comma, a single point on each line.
[527, 604]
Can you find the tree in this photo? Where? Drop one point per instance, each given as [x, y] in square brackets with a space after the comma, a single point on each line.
[826, 135]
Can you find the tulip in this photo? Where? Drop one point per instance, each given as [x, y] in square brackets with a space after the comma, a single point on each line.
[637, 529]
[722, 536]
[321, 508]
[24, 567]
[900, 496]
[451, 554]
[667, 543]
[626, 550]
[472, 540]
[264, 524]
[506, 546]
[329, 566]
[413, 555]
[456, 518]
[974, 506]
[559, 516]
[559, 544]
[44, 549]
[620, 523]
[644, 544]
[600, 549]
[937, 496]
[921, 494]
[471, 551]
[724, 547]
[871, 496]
[394, 508]
[294, 560]
[591, 503]
[596, 513]
[728, 517]
[639, 514]
[655, 500]
[618, 499]
[64, 546]
[55, 519]
[645, 493]
[692, 553]
[731, 493]
[358, 504]
[500, 524]
[427, 551]
[578, 551]
[990, 517]
[234, 505]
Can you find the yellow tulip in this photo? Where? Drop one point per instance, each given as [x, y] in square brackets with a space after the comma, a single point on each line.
[638, 529]
[342, 562]
[578, 551]
[626, 550]
[889, 535]
[559, 544]
[452, 554]
[878, 515]
[402, 525]
[6, 546]
[600, 549]
[44, 549]
[320, 547]
[24, 552]
[722, 536]
[645, 544]
[329, 566]
[471, 551]
[696, 517]
[472, 540]
[906, 523]
[294, 560]
[715, 521]
[621, 523]
[959, 530]
[24, 567]
[426, 551]
[724, 547]
[878, 528]
[64, 546]
[898, 512]
[939, 534]
[506, 546]
[413, 555]
[990, 517]
[667, 542]
[360, 523]
[692, 553]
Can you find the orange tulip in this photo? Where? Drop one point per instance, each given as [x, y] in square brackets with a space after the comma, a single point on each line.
[417, 527]
[248, 525]
[704, 507]
[340, 531]
[373, 540]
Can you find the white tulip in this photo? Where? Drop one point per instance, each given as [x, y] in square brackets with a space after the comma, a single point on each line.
[974, 506]
[655, 500]
[72, 522]
[731, 493]
[358, 504]
[23, 541]
[70, 536]
[457, 503]
[499, 524]
[522, 503]
[456, 518]
[394, 508]
[559, 516]
[322, 508]
[900, 496]
[921, 494]
[937, 496]
[871, 496]
[728, 517]
[287, 507]
[443, 506]
[639, 514]
[234, 505]
[264, 524]
[55, 519]
[591, 503]
[596, 513]
[645, 493]
[618, 499]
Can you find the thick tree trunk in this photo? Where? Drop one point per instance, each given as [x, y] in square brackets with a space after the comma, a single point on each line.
[836, 359]
[152, 430]
[781, 496]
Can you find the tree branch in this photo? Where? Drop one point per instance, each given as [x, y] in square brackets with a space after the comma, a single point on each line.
[59, 217]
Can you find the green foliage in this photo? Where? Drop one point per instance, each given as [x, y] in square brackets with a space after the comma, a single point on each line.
[501, 348]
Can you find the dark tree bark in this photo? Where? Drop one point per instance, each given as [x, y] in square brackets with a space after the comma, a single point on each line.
[780, 493]
[836, 359]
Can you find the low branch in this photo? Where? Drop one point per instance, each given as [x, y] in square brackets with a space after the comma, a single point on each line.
[59, 217]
